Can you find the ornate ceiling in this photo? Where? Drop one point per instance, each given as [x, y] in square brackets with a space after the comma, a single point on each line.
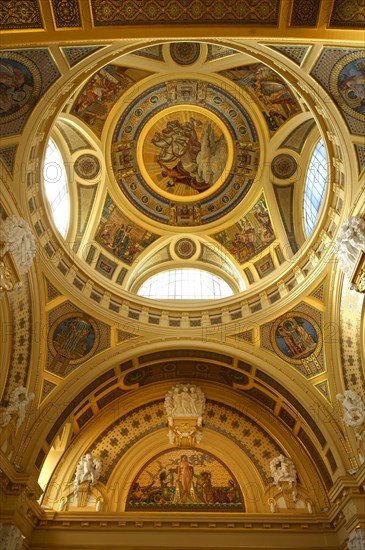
[190, 153]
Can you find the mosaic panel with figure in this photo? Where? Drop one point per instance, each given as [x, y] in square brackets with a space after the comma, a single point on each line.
[120, 236]
[266, 87]
[100, 93]
[341, 71]
[25, 75]
[297, 337]
[185, 480]
[249, 235]
[73, 338]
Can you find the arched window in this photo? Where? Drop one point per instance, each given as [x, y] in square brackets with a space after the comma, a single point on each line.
[315, 184]
[185, 284]
[55, 185]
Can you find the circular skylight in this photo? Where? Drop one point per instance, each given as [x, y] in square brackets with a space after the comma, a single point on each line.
[185, 284]
[55, 185]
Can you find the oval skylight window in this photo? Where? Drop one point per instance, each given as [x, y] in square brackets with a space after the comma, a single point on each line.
[185, 284]
[55, 185]
[315, 185]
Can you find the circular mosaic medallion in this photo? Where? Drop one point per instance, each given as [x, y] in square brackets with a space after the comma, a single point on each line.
[296, 337]
[73, 338]
[284, 166]
[348, 86]
[87, 166]
[193, 161]
[185, 248]
[184, 152]
[21, 83]
[185, 53]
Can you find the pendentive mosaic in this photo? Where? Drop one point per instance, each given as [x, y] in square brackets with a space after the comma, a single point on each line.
[341, 72]
[25, 75]
[74, 54]
[151, 52]
[297, 338]
[73, 338]
[7, 155]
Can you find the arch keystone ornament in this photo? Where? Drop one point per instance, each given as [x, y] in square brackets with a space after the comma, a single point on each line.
[184, 405]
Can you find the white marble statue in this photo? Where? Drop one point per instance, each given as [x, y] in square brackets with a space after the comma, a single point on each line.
[349, 243]
[17, 238]
[356, 540]
[18, 404]
[10, 537]
[88, 468]
[353, 408]
[283, 470]
[185, 400]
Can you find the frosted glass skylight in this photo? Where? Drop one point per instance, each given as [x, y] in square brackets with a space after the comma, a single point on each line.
[185, 284]
[315, 185]
[55, 185]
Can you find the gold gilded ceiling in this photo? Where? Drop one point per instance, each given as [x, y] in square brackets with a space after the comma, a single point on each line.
[180, 154]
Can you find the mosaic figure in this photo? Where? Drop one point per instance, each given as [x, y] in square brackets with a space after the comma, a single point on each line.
[296, 337]
[251, 234]
[120, 236]
[73, 338]
[351, 85]
[184, 481]
[266, 86]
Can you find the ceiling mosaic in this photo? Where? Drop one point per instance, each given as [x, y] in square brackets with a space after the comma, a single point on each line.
[250, 234]
[73, 338]
[120, 236]
[114, 12]
[179, 141]
[265, 86]
[342, 73]
[25, 77]
[185, 151]
[100, 93]
[297, 338]
[70, 14]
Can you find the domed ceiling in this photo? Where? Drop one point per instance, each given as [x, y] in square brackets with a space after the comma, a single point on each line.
[184, 154]
[186, 140]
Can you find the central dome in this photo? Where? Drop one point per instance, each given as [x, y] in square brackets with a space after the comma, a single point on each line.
[185, 152]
